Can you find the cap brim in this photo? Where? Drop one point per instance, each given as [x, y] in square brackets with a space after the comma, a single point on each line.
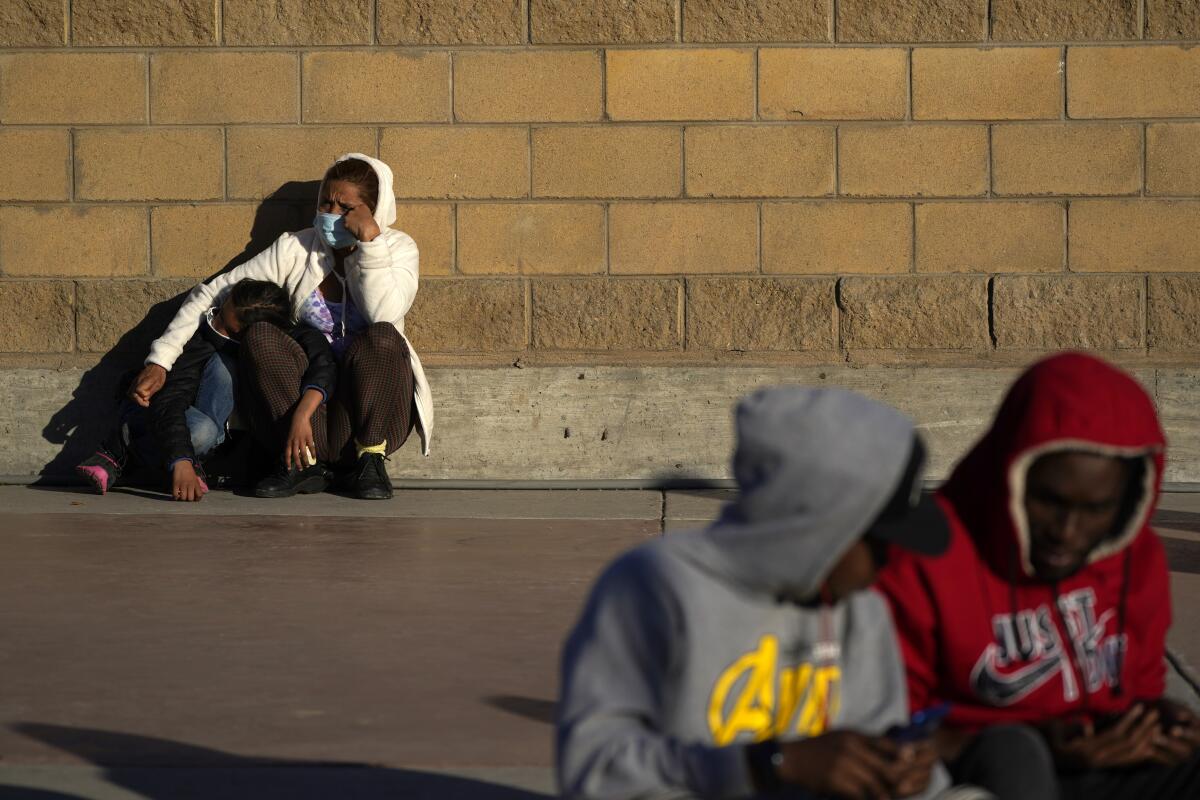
[923, 529]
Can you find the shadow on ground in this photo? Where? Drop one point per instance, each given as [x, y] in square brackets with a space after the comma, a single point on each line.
[87, 417]
[161, 769]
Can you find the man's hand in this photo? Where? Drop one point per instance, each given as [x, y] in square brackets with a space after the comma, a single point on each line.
[185, 483]
[1131, 740]
[1179, 733]
[360, 222]
[846, 764]
[147, 383]
[300, 443]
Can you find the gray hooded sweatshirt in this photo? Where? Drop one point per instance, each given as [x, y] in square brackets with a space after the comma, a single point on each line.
[694, 645]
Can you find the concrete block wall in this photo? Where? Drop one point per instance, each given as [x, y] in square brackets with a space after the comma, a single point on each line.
[633, 183]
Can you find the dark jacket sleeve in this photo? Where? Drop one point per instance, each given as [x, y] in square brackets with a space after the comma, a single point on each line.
[322, 368]
[168, 408]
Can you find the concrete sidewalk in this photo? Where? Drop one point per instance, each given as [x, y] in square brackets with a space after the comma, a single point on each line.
[319, 647]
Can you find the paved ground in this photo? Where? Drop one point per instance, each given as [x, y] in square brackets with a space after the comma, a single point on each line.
[319, 647]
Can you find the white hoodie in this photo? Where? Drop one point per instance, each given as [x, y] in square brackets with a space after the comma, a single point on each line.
[381, 276]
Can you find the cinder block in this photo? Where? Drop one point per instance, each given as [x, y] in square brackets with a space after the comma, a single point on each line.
[991, 237]
[72, 88]
[605, 161]
[431, 225]
[991, 83]
[1172, 19]
[73, 241]
[455, 315]
[149, 23]
[198, 241]
[529, 238]
[758, 21]
[912, 20]
[297, 22]
[191, 87]
[683, 238]
[35, 164]
[833, 83]
[680, 84]
[387, 86]
[528, 86]
[39, 316]
[107, 310]
[1059, 21]
[149, 164]
[606, 314]
[289, 162]
[1135, 235]
[1146, 81]
[759, 161]
[601, 21]
[451, 22]
[835, 238]
[918, 161]
[33, 23]
[1174, 312]
[761, 314]
[1053, 312]
[915, 313]
[1173, 158]
[444, 162]
[1067, 159]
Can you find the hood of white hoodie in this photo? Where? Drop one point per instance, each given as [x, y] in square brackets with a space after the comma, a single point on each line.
[385, 208]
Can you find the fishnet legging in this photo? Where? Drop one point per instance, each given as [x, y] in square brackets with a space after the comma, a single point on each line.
[373, 400]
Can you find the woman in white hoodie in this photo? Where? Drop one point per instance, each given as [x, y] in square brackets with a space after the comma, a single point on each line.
[354, 278]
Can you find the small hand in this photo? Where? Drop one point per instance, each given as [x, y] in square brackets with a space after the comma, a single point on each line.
[360, 222]
[1129, 742]
[847, 764]
[147, 383]
[300, 445]
[185, 483]
[1179, 734]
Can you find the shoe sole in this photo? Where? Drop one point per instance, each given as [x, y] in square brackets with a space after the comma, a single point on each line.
[93, 477]
[313, 485]
[374, 495]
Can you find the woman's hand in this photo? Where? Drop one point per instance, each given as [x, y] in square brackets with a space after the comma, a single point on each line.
[147, 383]
[360, 222]
[185, 483]
[300, 443]
[1130, 741]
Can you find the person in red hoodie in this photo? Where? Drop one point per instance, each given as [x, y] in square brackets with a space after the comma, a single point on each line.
[1044, 623]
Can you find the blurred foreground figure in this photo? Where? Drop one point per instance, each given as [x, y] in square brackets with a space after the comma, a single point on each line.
[1044, 624]
[748, 659]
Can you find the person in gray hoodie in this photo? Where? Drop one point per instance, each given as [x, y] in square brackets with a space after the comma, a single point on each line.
[747, 659]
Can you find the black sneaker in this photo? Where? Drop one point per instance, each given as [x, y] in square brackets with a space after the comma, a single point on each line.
[286, 482]
[371, 481]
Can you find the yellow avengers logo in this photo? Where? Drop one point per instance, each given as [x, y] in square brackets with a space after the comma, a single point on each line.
[753, 695]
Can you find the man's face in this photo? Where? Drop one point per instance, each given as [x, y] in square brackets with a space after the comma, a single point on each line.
[1072, 501]
[854, 572]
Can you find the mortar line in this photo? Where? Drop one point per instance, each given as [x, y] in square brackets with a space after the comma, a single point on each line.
[220, 9]
[681, 311]
[833, 22]
[149, 117]
[454, 268]
[528, 21]
[529, 156]
[1141, 19]
[374, 22]
[683, 186]
[679, 21]
[450, 89]
[757, 73]
[991, 306]
[299, 88]
[837, 160]
[1063, 83]
[1066, 253]
[908, 112]
[71, 163]
[603, 84]
[528, 298]
[912, 247]
[1145, 158]
[987, 21]
[990, 188]
[68, 36]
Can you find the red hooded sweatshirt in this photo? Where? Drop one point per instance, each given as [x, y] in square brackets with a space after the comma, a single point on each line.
[977, 628]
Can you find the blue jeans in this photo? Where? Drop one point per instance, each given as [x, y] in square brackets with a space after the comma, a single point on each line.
[206, 417]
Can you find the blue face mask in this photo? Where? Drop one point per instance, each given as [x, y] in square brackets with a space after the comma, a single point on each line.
[332, 228]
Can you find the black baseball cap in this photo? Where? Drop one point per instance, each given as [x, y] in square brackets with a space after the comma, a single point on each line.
[912, 519]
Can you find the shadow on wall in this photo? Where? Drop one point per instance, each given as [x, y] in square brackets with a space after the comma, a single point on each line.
[88, 416]
[161, 769]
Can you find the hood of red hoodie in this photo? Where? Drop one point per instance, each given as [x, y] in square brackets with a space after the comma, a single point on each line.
[1068, 402]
